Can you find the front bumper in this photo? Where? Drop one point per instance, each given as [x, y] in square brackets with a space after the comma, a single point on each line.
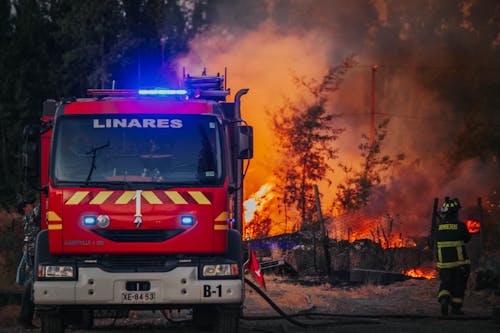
[179, 286]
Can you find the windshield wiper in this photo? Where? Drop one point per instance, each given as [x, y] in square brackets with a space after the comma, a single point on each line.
[93, 153]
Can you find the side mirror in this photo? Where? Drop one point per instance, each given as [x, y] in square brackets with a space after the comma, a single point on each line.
[245, 142]
[30, 159]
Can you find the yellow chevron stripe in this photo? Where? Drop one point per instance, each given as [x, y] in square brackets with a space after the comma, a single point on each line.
[151, 197]
[176, 197]
[222, 217]
[55, 227]
[220, 227]
[125, 198]
[199, 197]
[52, 216]
[101, 197]
[77, 197]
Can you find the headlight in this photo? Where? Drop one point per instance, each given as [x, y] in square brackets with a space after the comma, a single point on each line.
[56, 271]
[220, 270]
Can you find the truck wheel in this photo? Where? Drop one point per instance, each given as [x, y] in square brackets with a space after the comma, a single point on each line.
[52, 324]
[228, 319]
[87, 319]
[80, 319]
[203, 317]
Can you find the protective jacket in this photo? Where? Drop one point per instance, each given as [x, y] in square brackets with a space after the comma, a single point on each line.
[452, 235]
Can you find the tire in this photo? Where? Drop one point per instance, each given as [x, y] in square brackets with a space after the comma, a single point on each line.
[87, 319]
[79, 319]
[228, 319]
[203, 317]
[52, 324]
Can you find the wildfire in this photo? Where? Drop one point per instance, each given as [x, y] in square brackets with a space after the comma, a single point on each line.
[379, 229]
[421, 273]
[257, 201]
[473, 226]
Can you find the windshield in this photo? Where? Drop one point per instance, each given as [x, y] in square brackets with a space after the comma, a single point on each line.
[175, 149]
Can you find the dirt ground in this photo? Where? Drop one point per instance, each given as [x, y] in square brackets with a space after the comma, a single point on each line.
[408, 306]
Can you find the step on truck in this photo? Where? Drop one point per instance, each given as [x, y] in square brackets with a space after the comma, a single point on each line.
[141, 204]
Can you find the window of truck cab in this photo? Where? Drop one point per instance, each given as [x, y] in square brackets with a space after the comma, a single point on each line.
[177, 150]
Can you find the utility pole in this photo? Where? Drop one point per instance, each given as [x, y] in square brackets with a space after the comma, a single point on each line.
[372, 111]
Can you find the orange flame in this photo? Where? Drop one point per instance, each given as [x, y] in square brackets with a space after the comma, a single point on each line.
[257, 201]
[421, 273]
[473, 226]
[374, 228]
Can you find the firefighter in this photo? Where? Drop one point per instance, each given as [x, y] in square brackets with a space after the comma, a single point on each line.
[452, 260]
[31, 227]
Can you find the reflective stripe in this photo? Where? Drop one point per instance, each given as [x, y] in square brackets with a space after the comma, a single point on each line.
[125, 197]
[456, 300]
[452, 264]
[460, 254]
[443, 293]
[199, 197]
[176, 197]
[77, 197]
[52, 216]
[151, 197]
[220, 227]
[222, 217]
[100, 197]
[450, 243]
[55, 227]
[458, 245]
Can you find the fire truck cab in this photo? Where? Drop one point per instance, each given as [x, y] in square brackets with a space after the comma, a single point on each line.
[141, 204]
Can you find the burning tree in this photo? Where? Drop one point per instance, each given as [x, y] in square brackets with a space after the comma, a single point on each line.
[305, 133]
[354, 193]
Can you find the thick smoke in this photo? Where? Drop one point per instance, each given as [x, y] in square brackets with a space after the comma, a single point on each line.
[419, 47]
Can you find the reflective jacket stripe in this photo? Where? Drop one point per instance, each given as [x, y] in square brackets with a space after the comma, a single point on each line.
[451, 244]
[452, 264]
[458, 245]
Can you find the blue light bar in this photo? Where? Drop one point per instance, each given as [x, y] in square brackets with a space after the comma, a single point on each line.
[89, 220]
[162, 92]
[187, 220]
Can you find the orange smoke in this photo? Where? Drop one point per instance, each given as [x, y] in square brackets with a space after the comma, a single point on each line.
[262, 60]
[421, 273]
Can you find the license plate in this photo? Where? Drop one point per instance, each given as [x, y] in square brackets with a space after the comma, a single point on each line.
[138, 297]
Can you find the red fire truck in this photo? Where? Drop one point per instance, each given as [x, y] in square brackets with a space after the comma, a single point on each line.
[141, 204]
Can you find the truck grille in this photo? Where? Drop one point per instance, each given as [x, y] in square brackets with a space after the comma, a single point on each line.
[143, 236]
[139, 263]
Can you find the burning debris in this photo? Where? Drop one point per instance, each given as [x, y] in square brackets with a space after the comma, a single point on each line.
[304, 252]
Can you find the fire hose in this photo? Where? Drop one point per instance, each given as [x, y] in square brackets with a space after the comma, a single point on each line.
[291, 319]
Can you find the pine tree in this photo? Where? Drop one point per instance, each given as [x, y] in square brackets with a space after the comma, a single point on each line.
[306, 133]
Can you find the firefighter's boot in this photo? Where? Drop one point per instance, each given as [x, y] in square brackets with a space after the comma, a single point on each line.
[445, 302]
[456, 309]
